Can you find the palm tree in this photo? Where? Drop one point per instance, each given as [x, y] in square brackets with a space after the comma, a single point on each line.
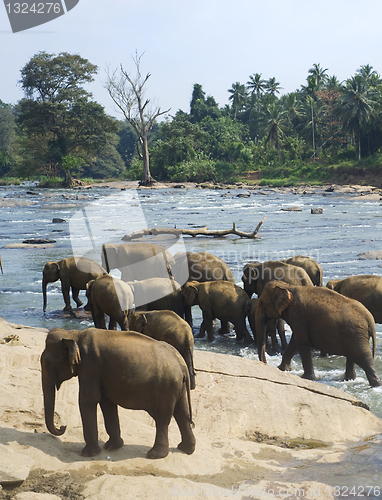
[256, 84]
[319, 73]
[366, 71]
[357, 104]
[272, 87]
[238, 96]
[273, 122]
[332, 83]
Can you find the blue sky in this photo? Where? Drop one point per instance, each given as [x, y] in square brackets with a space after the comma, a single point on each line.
[211, 42]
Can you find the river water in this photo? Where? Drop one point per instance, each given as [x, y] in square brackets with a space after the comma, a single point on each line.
[347, 227]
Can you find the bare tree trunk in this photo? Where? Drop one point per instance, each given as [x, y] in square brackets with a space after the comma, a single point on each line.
[147, 180]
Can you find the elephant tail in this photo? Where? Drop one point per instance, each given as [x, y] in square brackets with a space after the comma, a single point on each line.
[186, 379]
[373, 337]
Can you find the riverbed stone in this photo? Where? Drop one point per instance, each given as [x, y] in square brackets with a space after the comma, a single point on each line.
[31, 495]
[291, 209]
[372, 255]
[14, 467]
[317, 210]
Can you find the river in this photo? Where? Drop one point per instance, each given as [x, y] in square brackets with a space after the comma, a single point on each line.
[348, 226]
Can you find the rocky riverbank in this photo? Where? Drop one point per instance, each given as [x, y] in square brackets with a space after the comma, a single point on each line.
[261, 433]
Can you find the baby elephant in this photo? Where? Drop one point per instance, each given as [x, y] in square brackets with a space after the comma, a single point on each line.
[111, 296]
[218, 299]
[168, 327]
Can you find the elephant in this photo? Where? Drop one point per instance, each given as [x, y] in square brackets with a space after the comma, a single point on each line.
[202, 266]
[168, 327]
[272, 326]
[218, 299]
[158, 293]
[137, 261]
[111, 296]
[321, 318]
[366, 288]
[74, 272]
[118, 368]
[257, 274]
[311, 266]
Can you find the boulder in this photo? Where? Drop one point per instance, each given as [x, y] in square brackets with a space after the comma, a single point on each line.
[291, 209]
[14, 467]
[317, 210]
[372, 255]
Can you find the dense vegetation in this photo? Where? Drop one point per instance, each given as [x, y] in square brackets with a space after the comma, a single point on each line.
[304, 136]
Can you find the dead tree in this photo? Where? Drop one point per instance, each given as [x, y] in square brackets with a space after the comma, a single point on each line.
[128, 93]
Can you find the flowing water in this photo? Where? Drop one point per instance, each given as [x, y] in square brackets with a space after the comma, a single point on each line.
[347, 227]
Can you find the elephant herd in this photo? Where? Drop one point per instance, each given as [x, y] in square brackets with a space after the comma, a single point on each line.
[153, 301]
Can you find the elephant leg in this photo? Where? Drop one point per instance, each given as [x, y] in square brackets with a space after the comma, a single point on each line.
[202, 331]
[188, 315]
[112, 324]
[242, 332]
[98, 317]
[350, 370]
[88, 412]
[367, 364]
[280, 324]
[124, 323]
[224, 328]
[208, 325]
[182, 417]
[110, 416]
[161, 446]
[271, 332]
[65, 288]
[304, 348]
[76, 299]
[290, 351]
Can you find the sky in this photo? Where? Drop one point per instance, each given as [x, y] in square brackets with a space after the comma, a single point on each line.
[211, 42]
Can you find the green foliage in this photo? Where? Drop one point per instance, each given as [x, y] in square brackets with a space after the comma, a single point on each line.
[57, 117]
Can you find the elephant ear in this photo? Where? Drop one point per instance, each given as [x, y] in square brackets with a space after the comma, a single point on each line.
[141, 322]
[282, 299]
[74, 356]
[190, 293]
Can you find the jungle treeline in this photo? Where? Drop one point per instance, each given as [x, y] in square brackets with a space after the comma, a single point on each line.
[58, 130]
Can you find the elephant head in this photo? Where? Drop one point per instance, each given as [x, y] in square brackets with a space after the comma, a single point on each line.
[251, 273]
[50, 274]
[274, 300]
[88, 293]
[333, 284]
[191, 293]
[58, 363]
[137, 322]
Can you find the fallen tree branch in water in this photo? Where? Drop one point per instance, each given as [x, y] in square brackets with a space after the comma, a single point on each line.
[203, 231]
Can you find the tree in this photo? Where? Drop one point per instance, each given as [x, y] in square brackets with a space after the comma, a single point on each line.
[57, 118]
[319, 73]
[357, 104]
[128, 93]
[273, 121]
[256, 84]
[272, 87]
[238, 96]
[7, 137]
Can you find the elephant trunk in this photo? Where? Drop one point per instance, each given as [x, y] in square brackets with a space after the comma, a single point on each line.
[49, 391]
[261, 332]
[44, 285]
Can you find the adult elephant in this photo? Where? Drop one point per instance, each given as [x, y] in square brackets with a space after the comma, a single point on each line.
[321, 318]
[257, 274]
[118, 368]
[311, 266]
[168, 327]
[111, 296]
[136, 261]
[366, 288]
[74, 273]
[158, 293]
[218, 299]
[201, 267]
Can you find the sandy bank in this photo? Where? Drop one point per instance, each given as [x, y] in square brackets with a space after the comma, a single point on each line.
[257, 429]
